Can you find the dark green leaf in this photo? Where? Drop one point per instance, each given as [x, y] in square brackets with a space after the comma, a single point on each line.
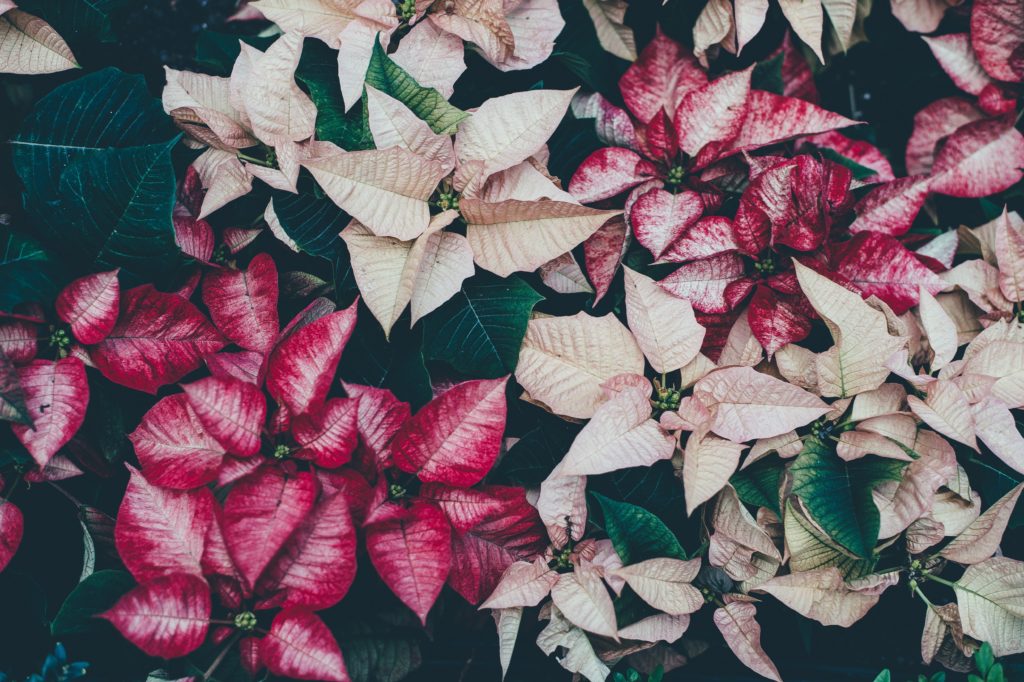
[313, 223]
[318, 71]
[12, 397]
[94, 595]
[578, 50]
[26, 272]
[837, 494]
[859, 172]
[427, 103]
[76, 20]
[768, 75]
[94, 156]
[759, 483]
[378, 651]
[993, 483]
[655, 488]
[218, 51]
[480, 329]
[397, 365]
[636, 533]
[532, 458]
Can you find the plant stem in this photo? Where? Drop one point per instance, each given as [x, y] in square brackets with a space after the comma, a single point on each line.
[252, 159]
[10, 491]
[220, 657]
[941, 581]
[919, 593]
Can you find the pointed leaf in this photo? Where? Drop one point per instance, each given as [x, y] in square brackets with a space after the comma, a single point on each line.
[166, 617]
[29, 45]
[300, 646]
[56, 393]
[174, 449]
[90, 305]
[742, 633]
[243, 303]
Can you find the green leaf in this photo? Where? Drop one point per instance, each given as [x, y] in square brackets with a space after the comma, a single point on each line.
[26, 272]
[94, 595]
[768, 75]
[95, 159]
[993, 483]
[479, 330]
[371, 360]
[837, 494]
[12, 397]
[758, 484]
[655, 488]
[636, 533]
[378, 651]
[984, 659]
[532, 458]
[218, 51]
[76, 20]
[313, 223]
[318, 71]
[579, 51]
[884, 676]
[859, 172]
[427, 103]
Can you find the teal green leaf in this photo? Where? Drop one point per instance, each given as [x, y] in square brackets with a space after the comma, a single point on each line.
[378, 651]
[76, 20]
[837, 494]
[218, 51]
[12, 397]
[313, 223]
[479, 330]
[758, 484]
[26, 272]
[95, 159]
[427, 103]
[94, 595]
[318, 71]
[636, 533]
[372, 360]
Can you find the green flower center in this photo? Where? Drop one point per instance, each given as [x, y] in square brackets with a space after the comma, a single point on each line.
[666, 398]
[396, 491]
[281, 451]
[675, 175]
[765, 266]
[448, 201]
[406, 10]
[246, 620]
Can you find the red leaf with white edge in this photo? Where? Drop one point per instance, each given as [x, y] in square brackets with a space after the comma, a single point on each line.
[329, 436]
[710, 236]
[742, 633]
[350, 483]
[246, 365]
[243, 303]
[194, 237]
[773, 118]
[659, 138]
[464, 507]
[166, 617]
[980, 158]
[859, 151]
[602, 254]
[880, 265]
[997, 99]
[300, 646]
[456, 437]
[777, 319]
[379, 416]
[997, 32]
[237, 238]
[56, 394]
[891, 208]
[712, 113]
[937, 120]
[90, 306]
[59, 468]
[18, 340]
[955, 55]
[12, 526]
[703, 282]
[261, 512]
[657, 79]
[505, 529]
[160, 531]
[316, 566]
[301, 368]
[660, 217]
[158, 339]
[412, 553]
[174, 449]
[232, 411]
[607, 172]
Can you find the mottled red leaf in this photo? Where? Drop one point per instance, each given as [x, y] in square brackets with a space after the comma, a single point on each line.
[607, 172]
[12, 525]
[243, 303]
[90, 306]
[328, 436]
[703, 282]
[880, 265]
[174, 449]
[56, 395]
[166, 617]
[231, 411]
[980, 158]
[658, 78]
[300, 646]
[602, 254]
[997, 32]
[660, 217]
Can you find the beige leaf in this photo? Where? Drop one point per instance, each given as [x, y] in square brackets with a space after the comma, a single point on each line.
[507, 623]
[278, 110]
[856, 363]
[386, 190]
[996, 428]
[822, 595]
[506, 130]
[621, 434]
[277, 229]
[658, 628]
[747, 404]
[564, 360]
[806, 18]
[582, 597]
[564, 275]
[695, 370]
[981, 539]
[376, 22]
[741, 348]
[579, 656]
[29, 45]
[924, 534]
[201, 106]
[749, 16]
[991, 600]
[665, 584]
[323, 19]
[912, 497]
[432, 57]
[786, 445]
[524, 583]
[733, 520]
[939, 328]
[708, 463]
[394, 125]
[520, 236]
[947, 411]
[609, 21]
[223, 177]
[524, 181]
[535, 25]
[743, 635]
[943, 637]
[922, 16]
[481, 22]
[663, 324]
[884, 400]
[857, 443]
[955, 513]
[562, 506]
[798, 365]
[713, 26]
[1010, 257]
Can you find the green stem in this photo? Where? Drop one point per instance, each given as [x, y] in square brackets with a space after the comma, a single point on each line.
[220, 657]
[941, 581]
[252, 159]
[10, 491]
[919, 593]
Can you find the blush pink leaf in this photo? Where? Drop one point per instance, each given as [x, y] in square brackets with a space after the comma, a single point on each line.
[90, 305]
